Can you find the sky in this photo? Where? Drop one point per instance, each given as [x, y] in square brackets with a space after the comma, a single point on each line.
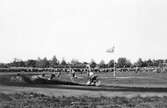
[83, 29]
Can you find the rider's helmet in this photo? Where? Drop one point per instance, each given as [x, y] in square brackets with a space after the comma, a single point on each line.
[88, 67]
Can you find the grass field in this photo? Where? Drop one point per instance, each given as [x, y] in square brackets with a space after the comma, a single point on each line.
[34, 100]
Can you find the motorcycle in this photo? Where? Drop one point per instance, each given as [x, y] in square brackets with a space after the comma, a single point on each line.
[93, 81]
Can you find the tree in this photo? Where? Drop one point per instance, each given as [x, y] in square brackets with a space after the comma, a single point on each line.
[149, 63]
[42, 63]
[93, 64]
[54, 62]
[75, 62]
[63, 62]
[128, 63]
[3, 65]
[31, 63]
[111, 63]
[38, 62]
[139, 63]
[123, 62]
[45, 63]
[18, 63]
[160, 62]
[102, 64]
[21, 64]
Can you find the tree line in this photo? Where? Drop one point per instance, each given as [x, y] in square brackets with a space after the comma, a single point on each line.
[121, 62]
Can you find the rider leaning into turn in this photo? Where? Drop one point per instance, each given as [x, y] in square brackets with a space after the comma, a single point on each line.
[92, 78]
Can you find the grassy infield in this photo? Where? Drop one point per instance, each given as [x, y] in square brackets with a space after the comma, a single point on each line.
[34, 100]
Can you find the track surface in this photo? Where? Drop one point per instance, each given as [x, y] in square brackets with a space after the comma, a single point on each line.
[106, 90]
[62, 90]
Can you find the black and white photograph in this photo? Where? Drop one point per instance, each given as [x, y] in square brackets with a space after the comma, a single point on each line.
[83, 54]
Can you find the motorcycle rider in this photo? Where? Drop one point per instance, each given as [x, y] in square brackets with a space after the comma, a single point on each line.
[92, 78]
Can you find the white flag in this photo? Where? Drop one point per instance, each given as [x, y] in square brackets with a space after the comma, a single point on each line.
[111, 50]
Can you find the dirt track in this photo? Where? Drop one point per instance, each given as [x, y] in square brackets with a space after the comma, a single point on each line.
[68, 90]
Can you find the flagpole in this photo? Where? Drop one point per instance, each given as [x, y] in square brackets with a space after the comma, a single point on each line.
[114, 63]
[112, 50]
[114, 70]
